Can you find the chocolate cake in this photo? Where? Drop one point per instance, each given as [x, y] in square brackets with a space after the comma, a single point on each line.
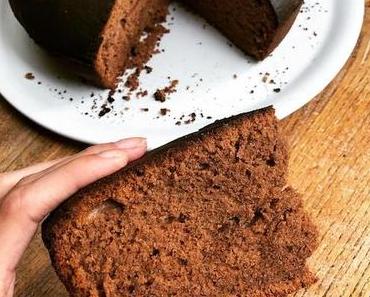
[255, 26]
[207, 215]
[96, 35]
[100, 34]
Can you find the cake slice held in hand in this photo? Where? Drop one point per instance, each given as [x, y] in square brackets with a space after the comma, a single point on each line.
[207, 215]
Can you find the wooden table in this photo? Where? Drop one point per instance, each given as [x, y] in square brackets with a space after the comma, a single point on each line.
[330, 165]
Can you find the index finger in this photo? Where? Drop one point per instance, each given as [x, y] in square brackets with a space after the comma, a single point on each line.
[27, 205]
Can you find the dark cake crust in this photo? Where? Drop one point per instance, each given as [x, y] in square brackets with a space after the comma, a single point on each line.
[207, 215]
[255, 26]
[68, 28]
[286, 13]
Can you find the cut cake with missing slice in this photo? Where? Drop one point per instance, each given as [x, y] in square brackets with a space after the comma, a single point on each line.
[99, 36]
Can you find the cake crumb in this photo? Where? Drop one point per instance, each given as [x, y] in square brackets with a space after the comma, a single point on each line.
[148, 69]
[142, 53]
[142, 93]
[265, 77]
[192, 118]
[104, 110]
[110, 99]
[161, 94]
[29, 76]
[164, 111]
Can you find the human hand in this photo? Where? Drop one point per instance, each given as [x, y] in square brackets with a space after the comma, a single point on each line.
[28, 195]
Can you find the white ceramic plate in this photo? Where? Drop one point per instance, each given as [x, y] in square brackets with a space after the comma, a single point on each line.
[216, 80]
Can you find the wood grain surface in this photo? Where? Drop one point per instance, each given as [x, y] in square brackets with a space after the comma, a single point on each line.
[329, 165]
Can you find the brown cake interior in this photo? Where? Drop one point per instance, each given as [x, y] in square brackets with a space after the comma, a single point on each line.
[122, 32]
[205, 216]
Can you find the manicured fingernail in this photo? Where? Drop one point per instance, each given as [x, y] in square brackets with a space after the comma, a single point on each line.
[113, 154]
[131, 143]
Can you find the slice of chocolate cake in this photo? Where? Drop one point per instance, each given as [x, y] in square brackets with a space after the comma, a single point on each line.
[207, 215]
[97, 34]
[100, 34]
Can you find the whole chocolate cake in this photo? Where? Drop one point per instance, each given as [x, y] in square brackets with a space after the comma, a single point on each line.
[207, 215]
[100, 34]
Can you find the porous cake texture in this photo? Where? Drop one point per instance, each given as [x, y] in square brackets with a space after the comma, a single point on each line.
[207, 215]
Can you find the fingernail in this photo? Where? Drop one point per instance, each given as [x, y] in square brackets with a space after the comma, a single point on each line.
[131, 143]
[113, 154]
